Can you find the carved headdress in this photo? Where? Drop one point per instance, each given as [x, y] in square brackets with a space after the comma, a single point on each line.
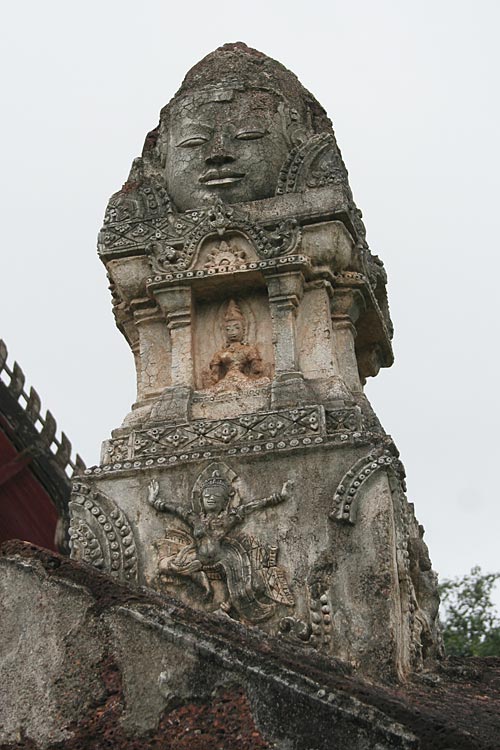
[240, 67]
[307, 156]
[236, 66]
[217, 480]
[233, 312]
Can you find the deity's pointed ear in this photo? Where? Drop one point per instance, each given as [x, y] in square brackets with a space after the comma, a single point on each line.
[154, 150]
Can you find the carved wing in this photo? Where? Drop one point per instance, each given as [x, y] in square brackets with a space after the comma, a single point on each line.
[277, 586]
[264, 558]
[174, 541]
[169, 548]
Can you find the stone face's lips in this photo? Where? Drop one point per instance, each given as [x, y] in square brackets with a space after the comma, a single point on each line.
[210, 503]
[221, 177]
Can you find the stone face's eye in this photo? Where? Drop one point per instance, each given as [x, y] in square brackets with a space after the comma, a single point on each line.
[250, 135]
[192, 141]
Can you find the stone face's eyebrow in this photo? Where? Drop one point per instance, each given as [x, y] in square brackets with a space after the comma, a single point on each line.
[195, 126]
[251, 121]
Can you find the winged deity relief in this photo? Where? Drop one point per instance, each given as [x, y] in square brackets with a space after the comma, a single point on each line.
[211, 547]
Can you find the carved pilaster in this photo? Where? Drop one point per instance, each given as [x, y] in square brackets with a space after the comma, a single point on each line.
[346, 307]
[153, 352]
[285, 292]
[176, 305]
[316, 356]
[126, 324]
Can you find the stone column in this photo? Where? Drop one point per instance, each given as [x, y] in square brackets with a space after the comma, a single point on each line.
[316, 357]
[346, 307]
[125, 321]
[285, 292]
[176, 305]
[153, 351]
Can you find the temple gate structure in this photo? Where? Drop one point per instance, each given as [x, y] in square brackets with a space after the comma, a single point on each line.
[252, 478]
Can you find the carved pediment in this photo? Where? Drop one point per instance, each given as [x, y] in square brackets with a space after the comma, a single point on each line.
[230, 252]
[101, 535]
[314, 163]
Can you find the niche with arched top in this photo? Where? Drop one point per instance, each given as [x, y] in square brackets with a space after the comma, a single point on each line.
[233, 340]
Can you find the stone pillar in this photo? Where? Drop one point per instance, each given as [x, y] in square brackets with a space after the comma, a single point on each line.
[126, 323]
[285, 292]
[346, 307]
[176, 305]
[153, 351]
[316, 356]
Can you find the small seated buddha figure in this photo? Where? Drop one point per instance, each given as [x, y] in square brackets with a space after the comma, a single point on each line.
[237, 365]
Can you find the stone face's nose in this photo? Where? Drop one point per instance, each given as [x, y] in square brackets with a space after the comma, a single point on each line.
[216, 158]
[219, 152]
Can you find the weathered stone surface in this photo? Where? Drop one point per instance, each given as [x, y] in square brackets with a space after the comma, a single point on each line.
[252, 477]
[243, 131]
[340, 584]
[49, 639]
[125, 668]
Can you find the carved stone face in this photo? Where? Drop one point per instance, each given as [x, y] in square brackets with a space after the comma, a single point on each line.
[215, 498]
[225, 144]
[234, 330]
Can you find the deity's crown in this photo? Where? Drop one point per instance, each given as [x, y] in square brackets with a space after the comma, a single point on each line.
[233, 312]
[216, 480]
[239, 66]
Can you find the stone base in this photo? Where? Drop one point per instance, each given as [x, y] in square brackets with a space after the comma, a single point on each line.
[342, 553]
[173, 405]
[87, 662]
[289, 389]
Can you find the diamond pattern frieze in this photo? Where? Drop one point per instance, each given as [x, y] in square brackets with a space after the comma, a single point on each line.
[247, 429]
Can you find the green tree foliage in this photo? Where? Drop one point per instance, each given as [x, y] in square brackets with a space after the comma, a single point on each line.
[471, 626]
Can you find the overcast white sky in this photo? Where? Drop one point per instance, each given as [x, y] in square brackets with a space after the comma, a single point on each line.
[412, 89]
